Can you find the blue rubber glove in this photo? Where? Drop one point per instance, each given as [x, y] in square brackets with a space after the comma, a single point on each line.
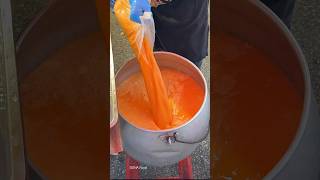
[137, 8]
[112, 4]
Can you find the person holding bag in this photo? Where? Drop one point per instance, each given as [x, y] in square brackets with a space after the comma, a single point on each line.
[182, 26]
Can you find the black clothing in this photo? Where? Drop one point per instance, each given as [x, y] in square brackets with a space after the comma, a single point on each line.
[282, 8]
[182, 27]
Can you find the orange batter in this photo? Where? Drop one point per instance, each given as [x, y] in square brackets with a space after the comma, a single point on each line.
[185, 96]
[256, 111]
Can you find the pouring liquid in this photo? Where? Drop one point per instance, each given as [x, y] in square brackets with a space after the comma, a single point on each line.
[156, 90]
[256, 110]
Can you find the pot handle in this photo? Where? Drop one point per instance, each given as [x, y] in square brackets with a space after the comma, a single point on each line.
[170, 139]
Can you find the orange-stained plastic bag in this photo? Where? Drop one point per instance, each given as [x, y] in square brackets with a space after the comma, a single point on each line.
[141, 39]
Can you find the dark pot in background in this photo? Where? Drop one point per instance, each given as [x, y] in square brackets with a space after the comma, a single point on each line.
[253, 22]
[57, 24]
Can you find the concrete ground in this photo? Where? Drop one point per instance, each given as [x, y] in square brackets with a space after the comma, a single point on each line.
[305, 27]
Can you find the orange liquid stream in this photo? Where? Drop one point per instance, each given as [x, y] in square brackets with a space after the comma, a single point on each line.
[185, 95]
[155, 87]
[256, 110]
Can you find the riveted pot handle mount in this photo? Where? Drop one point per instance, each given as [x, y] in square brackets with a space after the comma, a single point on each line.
[174, 137]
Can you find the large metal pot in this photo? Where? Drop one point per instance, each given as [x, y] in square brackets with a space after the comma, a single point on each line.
[165, 147]
[251, 21]
[60, 22]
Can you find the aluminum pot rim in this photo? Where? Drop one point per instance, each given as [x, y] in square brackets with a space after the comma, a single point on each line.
[205, 98]
[282, 162]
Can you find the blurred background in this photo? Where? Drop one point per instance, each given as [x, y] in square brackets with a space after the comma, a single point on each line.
[305, 28]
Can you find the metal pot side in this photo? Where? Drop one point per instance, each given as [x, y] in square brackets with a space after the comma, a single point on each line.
[146, 145]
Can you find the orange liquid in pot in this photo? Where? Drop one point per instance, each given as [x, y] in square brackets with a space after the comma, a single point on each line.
[185, 96]
[256, 111]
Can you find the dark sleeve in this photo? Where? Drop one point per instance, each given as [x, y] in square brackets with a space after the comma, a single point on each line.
[283, 9]
[182, 27]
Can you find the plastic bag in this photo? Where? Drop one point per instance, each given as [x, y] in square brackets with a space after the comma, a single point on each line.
[135, 32]
[141, 39]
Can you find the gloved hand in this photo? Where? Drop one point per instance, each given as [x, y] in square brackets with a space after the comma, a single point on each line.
[128, 14]
[137, 8]
[112, 4]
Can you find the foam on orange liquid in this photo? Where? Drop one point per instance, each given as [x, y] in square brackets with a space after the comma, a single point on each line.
[185, 95]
